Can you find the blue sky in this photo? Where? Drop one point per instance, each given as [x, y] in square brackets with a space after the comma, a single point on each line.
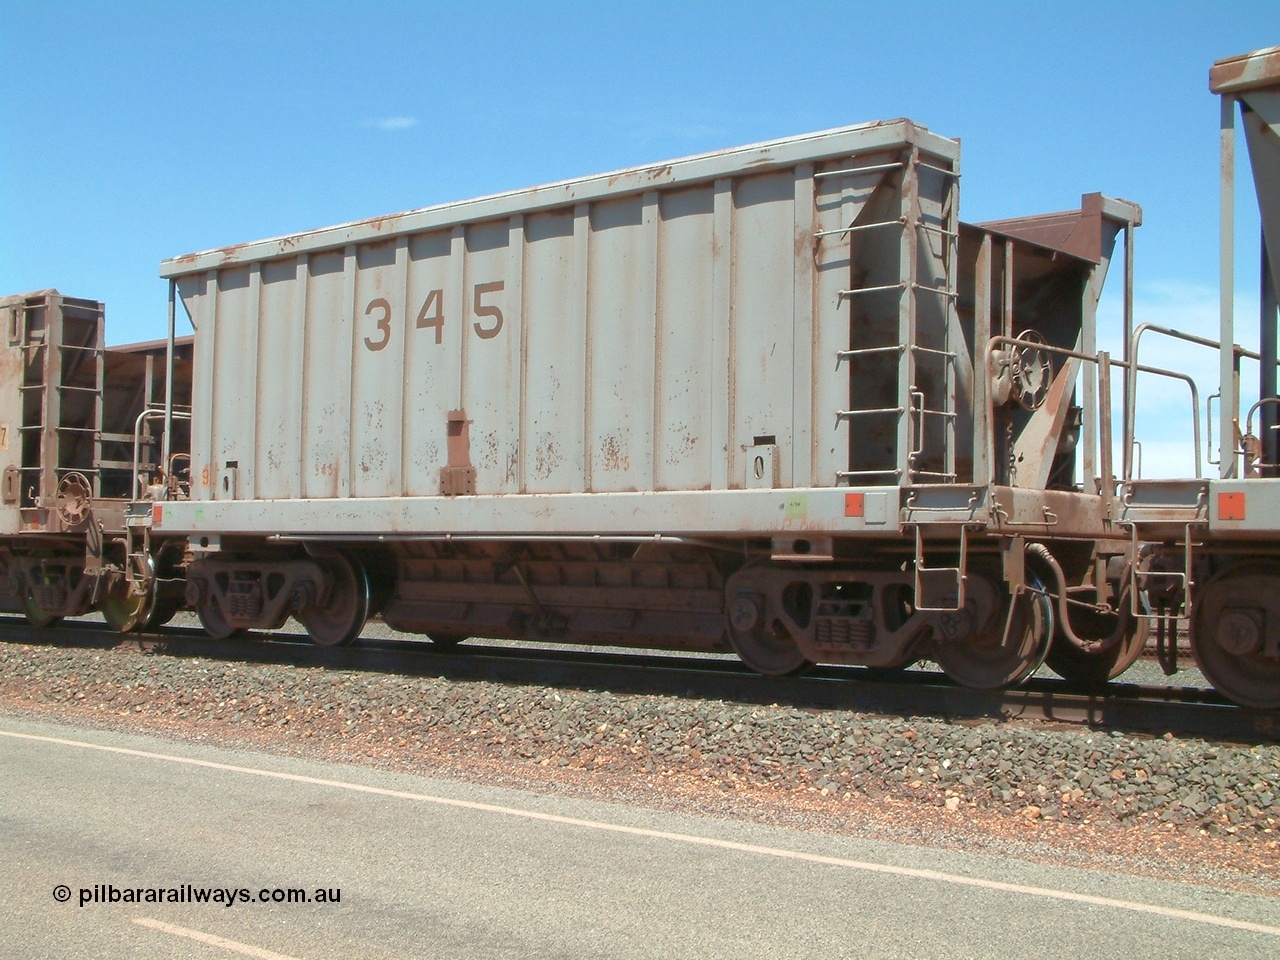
[135, 131]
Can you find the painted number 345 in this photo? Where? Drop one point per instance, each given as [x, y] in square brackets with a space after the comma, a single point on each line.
[431, 316]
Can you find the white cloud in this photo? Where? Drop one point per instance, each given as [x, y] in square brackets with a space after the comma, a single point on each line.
[391, 123]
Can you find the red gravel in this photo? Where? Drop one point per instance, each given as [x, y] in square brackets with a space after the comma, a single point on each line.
[549, 740]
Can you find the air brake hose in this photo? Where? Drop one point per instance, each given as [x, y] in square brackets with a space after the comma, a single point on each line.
[1041, 552]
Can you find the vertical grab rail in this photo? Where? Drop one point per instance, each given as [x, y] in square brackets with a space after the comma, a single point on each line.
[166, 448]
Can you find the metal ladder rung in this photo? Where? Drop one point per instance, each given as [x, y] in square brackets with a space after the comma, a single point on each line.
[850, 474]
[847, 414]
[957, 571]
[863, 351]
[940, 291]
[934, 166]
[939, 424]
[61, 469]
[851, 171]
[900, 222]
[932, 229]
[899, 286]
[1139, 580]
[949, 354]
[1142, 580]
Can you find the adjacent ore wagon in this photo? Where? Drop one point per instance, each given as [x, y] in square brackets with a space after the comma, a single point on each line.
[777, 399]
[79, 423]
[1216, 541]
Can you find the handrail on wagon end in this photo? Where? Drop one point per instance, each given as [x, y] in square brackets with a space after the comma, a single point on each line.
[1130, 437]
[168, 414]
[1130, 425]
[1104, 363]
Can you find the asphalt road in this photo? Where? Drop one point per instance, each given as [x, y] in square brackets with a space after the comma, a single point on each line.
[425, 868]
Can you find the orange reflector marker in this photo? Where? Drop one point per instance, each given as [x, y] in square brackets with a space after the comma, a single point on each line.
[1231, 506]
[853, 505]
[157, 514]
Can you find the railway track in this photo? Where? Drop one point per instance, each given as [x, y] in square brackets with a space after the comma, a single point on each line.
[1183, 711]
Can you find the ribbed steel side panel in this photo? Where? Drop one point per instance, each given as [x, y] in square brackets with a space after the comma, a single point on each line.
[643, 333]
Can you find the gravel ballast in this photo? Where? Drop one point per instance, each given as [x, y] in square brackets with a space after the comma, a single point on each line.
[1062, 791]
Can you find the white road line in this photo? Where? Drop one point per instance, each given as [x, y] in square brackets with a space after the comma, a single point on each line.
[246, 949]
[685, 838]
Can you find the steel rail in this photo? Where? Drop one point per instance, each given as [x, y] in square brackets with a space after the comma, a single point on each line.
[1182, 711]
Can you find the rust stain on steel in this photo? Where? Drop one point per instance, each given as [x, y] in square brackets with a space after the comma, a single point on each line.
[330, 471]
[11, 365]
[1248, 71]
[489, 449]
[459, 442]
[373, 451]
[613, 457]
[229, 253]
[546, 457]
[684, 445]
[459, 475]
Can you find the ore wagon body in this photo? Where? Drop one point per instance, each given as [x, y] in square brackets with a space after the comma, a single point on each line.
[777, 398]
[639, 332]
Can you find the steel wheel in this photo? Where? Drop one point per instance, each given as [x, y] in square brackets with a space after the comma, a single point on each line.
[164, 610]
[764, 647]
[984, 660]
[343, 615]
[1230, 637]
[1094, 669]
[126, 612]
[214, 623]
[37, 617]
